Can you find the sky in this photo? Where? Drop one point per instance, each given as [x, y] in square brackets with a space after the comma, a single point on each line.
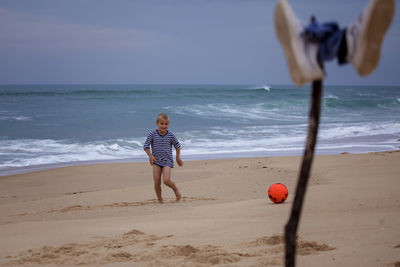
[167, 42]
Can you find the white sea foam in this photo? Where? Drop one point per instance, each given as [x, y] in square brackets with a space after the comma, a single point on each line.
[257, 139]
[208, 120]
[221, 111]
[359, 129]
[266, 87]
[367, 94]
[6, 115]
[232, 112]
[331, 96]
[29, 152]
[260, 140]
[263, 86]
[17, 118]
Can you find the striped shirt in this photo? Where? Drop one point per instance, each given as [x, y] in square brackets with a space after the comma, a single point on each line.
[161, 147]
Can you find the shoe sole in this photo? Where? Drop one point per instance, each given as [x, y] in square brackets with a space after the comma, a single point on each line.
[283, 28]
[382, 12]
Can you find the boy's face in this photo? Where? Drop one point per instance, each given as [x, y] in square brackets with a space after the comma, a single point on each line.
[162, 125]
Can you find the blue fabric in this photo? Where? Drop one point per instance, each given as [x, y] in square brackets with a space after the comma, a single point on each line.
[328, 35]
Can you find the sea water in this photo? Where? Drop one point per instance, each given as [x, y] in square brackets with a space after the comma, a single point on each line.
[64, 124]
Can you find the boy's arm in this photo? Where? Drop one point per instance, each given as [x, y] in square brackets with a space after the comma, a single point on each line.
[151, 157]
[178, 156]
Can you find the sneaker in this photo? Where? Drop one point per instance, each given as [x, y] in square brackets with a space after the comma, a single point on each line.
[301, 55]
[364, 36]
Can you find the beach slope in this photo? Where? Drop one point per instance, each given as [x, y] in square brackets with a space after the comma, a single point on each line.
[106, 214]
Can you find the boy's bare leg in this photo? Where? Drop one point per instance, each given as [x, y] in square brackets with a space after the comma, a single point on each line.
[166, 171]
[157, 182]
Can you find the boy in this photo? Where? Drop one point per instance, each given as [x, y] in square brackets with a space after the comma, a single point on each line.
[306, 48]
[160, 157]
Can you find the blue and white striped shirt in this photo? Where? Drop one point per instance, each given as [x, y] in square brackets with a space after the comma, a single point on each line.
[161, 147]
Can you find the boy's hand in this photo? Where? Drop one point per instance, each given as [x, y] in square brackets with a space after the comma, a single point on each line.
[179, 161]
[152, 159]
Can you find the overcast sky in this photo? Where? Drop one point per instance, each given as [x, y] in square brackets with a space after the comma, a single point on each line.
[166, 41]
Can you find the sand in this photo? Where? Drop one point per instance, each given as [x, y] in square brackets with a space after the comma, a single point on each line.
[106, 214]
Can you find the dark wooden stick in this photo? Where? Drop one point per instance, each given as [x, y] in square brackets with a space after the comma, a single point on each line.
[292, 224]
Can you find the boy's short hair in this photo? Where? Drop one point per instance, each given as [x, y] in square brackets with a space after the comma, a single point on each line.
[162, 116]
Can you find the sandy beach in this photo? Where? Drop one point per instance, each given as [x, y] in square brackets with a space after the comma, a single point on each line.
[106, 214]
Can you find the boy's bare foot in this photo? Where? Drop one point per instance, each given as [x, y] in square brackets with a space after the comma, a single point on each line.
[178, 195]
[161, 201]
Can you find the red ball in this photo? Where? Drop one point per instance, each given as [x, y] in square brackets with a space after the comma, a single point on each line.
[278, 193]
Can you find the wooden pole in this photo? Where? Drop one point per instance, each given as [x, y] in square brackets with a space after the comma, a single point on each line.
[292, 224]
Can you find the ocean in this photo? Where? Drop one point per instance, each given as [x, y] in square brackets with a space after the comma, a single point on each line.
[43, 125]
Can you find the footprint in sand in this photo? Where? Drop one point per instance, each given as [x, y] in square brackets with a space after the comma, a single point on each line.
[71, 209]
[269, 249]
[76, 208]
[103, 250]
[154, 201]
[303, 247]
[133, 247]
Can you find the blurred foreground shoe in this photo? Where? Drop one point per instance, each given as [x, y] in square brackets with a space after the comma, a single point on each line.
[301, 55]
[365, 35]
